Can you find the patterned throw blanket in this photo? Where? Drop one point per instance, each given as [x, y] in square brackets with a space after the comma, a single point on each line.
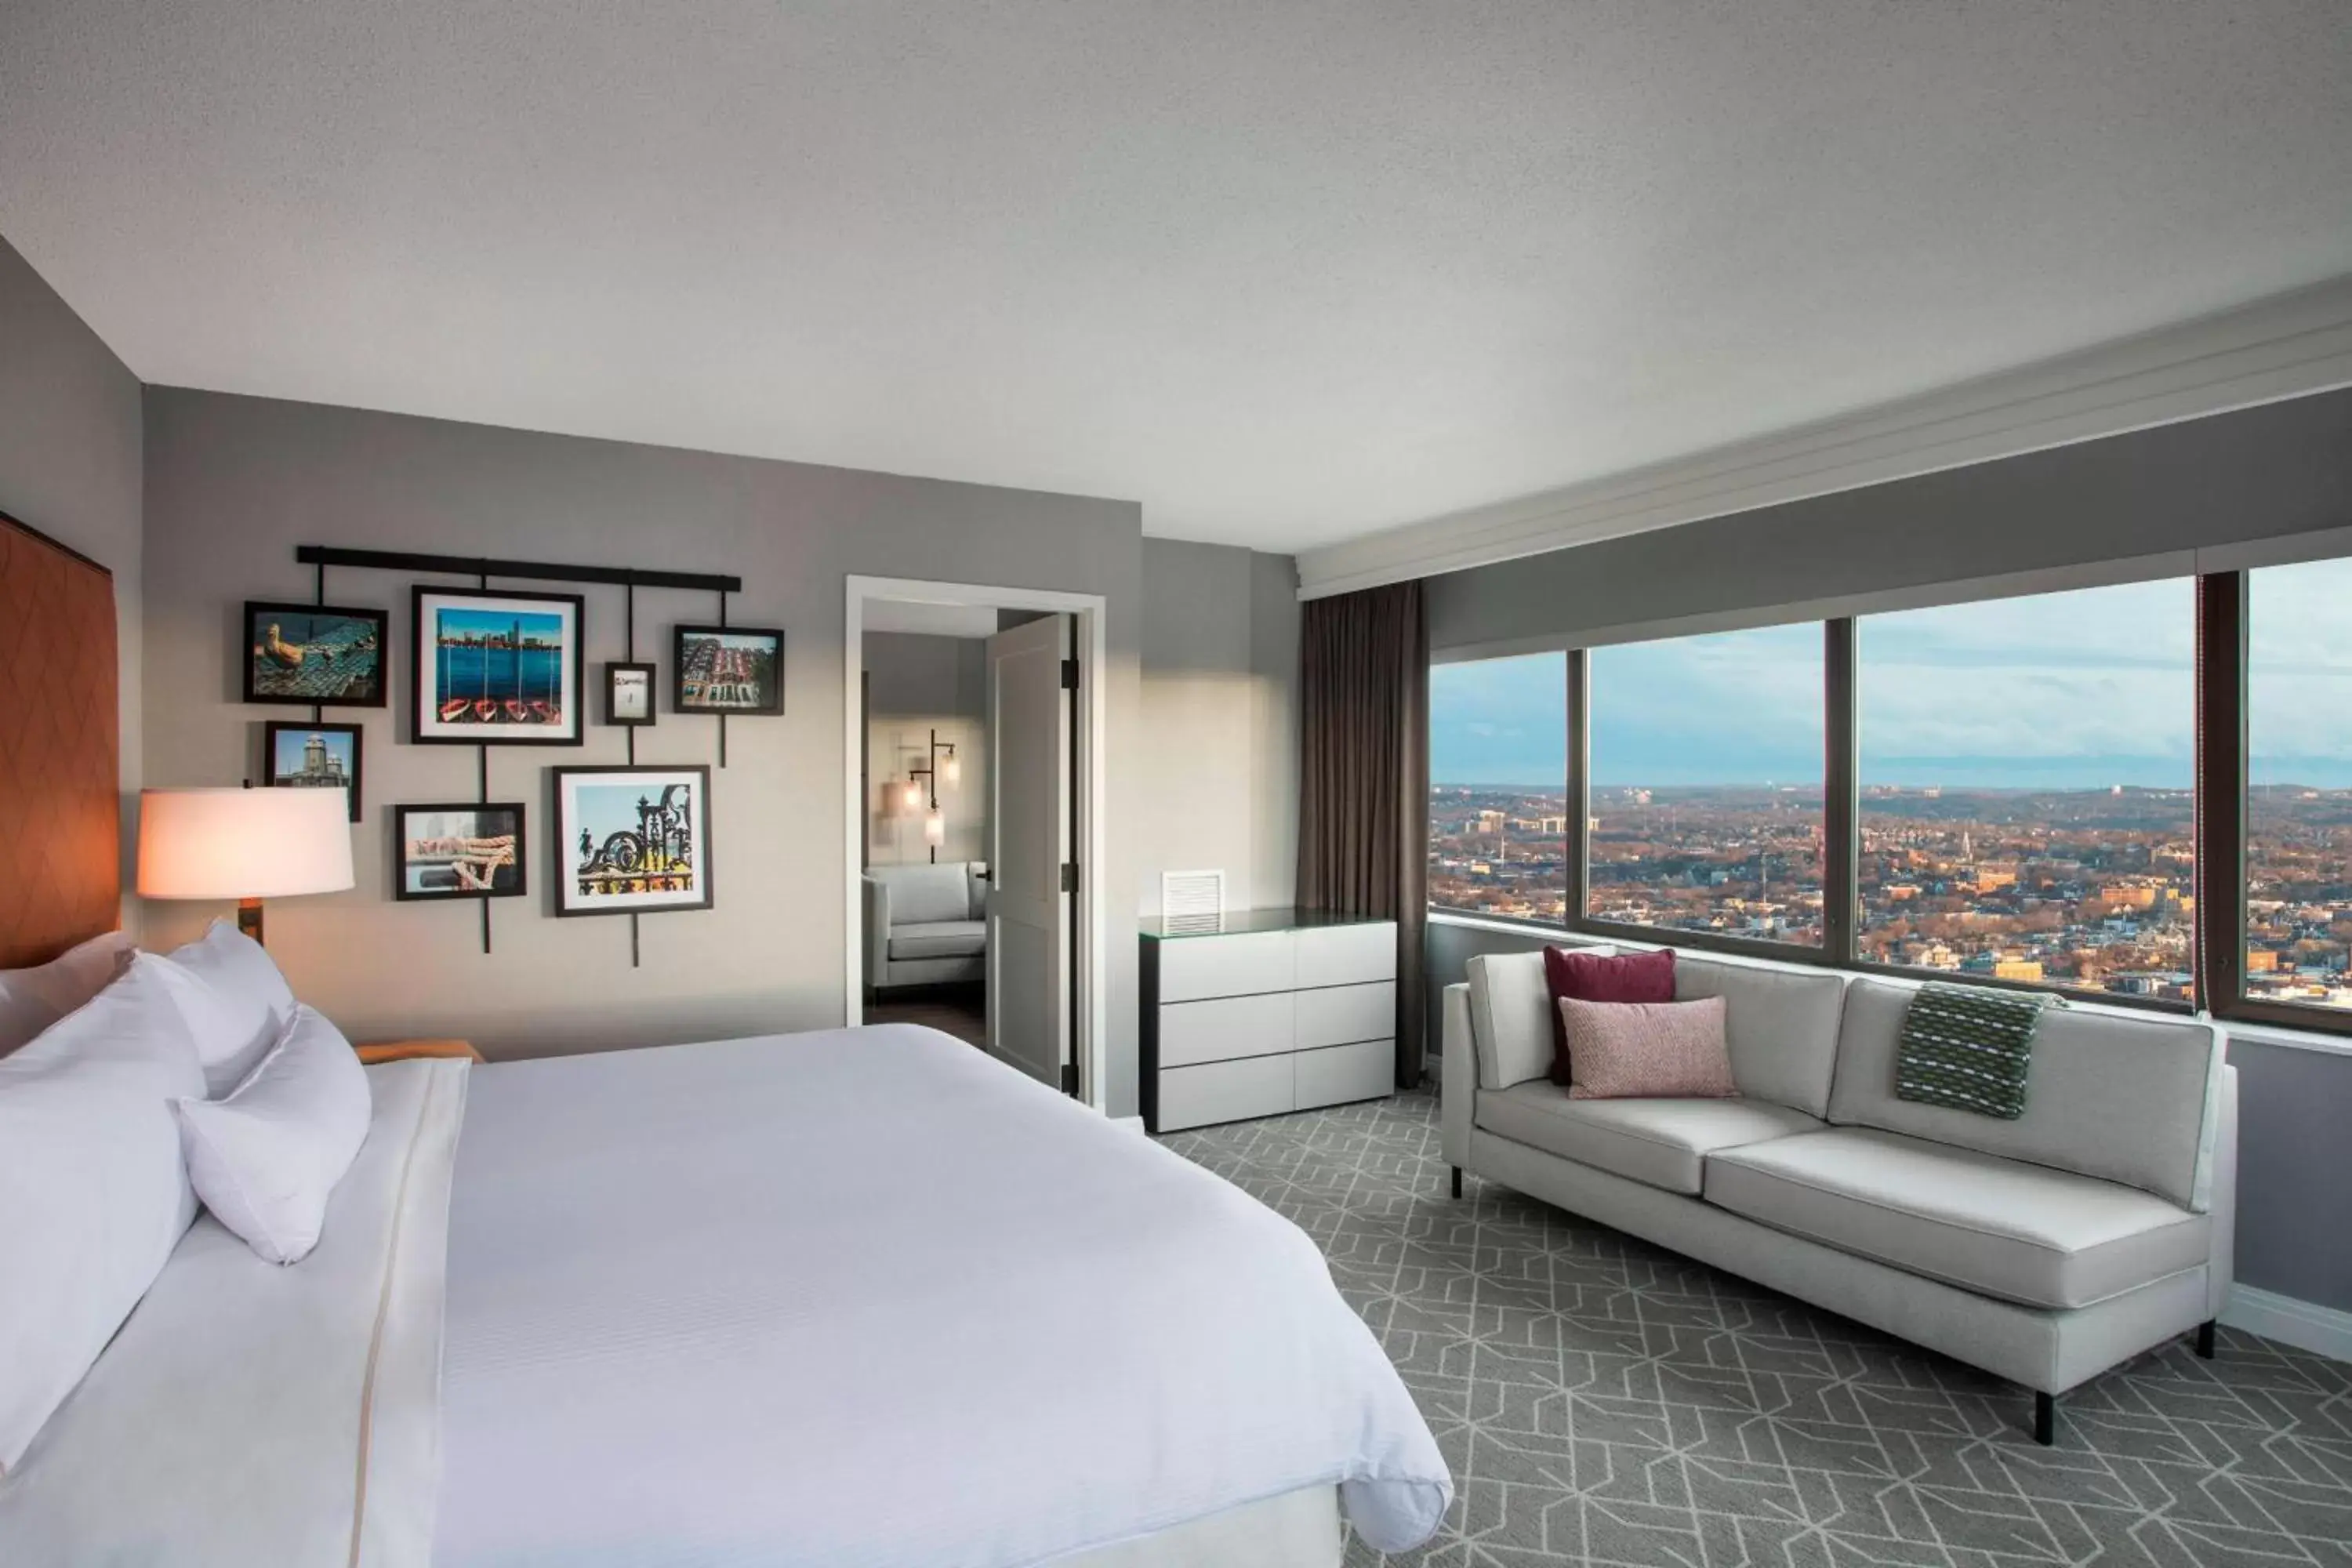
[1968, 1047]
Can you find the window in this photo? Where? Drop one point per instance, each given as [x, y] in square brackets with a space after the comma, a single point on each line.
[2299, 785]
[1705, 794]
[2027, 781]
[1498, 786]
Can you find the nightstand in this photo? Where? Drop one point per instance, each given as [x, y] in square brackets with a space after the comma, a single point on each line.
[400, 1050]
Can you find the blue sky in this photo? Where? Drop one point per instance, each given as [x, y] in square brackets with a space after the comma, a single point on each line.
[2078, 690]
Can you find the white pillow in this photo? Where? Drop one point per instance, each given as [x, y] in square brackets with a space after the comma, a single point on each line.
[265, 1159]
[246, 1005]
[94, 1192]
[33, 999]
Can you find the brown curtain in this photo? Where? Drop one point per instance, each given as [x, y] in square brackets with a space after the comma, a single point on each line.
[1363, 778]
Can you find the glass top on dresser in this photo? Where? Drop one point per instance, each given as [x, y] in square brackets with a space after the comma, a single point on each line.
[1237, 922]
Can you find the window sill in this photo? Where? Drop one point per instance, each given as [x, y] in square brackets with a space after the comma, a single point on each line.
[2290, 1039]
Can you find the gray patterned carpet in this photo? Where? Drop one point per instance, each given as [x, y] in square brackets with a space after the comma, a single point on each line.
[1604, 1401]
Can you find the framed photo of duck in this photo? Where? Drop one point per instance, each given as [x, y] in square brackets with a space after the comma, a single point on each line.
[314, 654]
[499, 668]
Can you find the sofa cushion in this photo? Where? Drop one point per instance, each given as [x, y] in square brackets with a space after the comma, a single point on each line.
[1648, 1050]
[938, 939]
[923, 893]
[1660, 1141]
[1781, 1022]
[2125, 1097]
[1511, 1014]
[2020, 1232]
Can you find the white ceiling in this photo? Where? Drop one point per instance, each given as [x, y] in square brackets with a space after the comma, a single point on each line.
[1286, 273]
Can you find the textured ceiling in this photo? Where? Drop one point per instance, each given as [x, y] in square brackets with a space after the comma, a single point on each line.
[1286, 273]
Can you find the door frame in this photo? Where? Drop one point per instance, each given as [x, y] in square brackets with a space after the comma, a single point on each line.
[1089, 964]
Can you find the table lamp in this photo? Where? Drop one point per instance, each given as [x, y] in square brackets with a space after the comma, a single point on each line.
[243, 844]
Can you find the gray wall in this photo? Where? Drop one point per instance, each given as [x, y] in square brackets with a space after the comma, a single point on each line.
[1220, 726]
[917, 684]
[69, 466]
[233, 484]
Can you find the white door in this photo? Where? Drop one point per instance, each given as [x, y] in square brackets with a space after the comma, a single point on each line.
[1029, 833]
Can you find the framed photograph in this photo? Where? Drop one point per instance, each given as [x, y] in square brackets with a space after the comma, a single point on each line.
[629, 694]
[465, 850]
[501, 668]
[309, 654]
[314, 756]
[729, 669]
[631, 839]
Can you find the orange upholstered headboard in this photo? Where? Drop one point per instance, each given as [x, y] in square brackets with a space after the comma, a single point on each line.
[60, 829]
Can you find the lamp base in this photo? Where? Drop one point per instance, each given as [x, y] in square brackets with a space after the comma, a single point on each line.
[249, 918]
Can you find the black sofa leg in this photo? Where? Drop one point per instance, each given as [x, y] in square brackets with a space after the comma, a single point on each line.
[1457, 1181]
[2205, 1338]
[2045, 1418]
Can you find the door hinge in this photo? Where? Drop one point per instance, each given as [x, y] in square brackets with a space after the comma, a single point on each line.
[1069, 1077]
[1069, 876]
[1069, 675]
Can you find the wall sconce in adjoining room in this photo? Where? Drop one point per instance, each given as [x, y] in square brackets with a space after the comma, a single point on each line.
[914, 795]
[935, 832]
[941, 755]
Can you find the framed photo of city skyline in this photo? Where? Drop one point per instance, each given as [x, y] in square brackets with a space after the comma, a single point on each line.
[630, 840]
[314, 756]
[729, 669]
[498, 669]
[310, 655]
[466, 850]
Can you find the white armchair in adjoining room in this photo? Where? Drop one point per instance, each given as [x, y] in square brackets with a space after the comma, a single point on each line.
[926, 924]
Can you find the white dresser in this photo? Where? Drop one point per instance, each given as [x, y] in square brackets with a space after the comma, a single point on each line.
[1277, 1010]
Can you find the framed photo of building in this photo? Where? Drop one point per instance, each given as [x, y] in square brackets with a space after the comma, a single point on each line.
[312, 654]
[468, 849]
[498, 669]
[314, 756]
[728, 669]
[631, 839]
[629, 694]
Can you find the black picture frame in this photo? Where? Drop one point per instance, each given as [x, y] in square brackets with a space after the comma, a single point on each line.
[518, 831]
[603, 860]
[613, 671]
[275, 774]
[496, 713]
[351, 643]
[690, 687]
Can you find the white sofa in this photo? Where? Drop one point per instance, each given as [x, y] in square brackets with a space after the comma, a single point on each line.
[926, 924]
[2046, 1250]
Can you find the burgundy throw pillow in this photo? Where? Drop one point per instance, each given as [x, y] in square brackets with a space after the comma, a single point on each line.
[1601, 977]
[1648, 1050]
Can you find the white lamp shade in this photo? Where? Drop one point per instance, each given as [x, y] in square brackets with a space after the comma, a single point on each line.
[951, 770]
[935, 828]
[243, 843]
[914, 795]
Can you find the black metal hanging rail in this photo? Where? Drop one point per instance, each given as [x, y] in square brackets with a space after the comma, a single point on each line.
[541, 571]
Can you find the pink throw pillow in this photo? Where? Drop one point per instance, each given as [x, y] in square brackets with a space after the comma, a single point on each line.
[1602, 977]
[1648, 1050]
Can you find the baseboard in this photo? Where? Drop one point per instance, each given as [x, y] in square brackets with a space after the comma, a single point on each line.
[1132, 1123]
[2305, 1325]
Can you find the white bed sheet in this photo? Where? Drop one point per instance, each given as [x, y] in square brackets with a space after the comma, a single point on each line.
[865, 1297]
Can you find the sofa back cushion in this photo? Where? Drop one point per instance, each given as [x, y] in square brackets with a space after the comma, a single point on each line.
[1782, 1023]
[1511, 1014]
[2124, 1097]
[923, 894]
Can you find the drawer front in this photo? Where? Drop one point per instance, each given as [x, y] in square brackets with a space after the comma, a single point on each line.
[1224, 1091]
[1342, 1073]
[1194, 967]
[1346, 955]
[1224, 1028]
[1342, 1014]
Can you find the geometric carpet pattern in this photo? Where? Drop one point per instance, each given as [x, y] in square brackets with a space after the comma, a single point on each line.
[1603, 1401]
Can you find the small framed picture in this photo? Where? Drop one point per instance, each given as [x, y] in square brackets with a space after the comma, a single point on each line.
[308, 654]
[631, 839]
[729, 669]
[466, 850]
[498, 669]
[629, 694]
[314, 756]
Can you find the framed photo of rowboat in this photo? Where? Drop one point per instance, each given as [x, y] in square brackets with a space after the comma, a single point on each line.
[728, 669]
[314, 654]
[470, 849]
[499, 668]
[630, 840]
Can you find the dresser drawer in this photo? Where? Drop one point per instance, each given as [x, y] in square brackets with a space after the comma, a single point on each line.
[1342, 1014]
[1224, 1028]
[1346, 956]
[1193, 967]
[1224, 1091]
[1341, 1073]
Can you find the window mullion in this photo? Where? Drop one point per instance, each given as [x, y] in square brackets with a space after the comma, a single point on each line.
[2221, 922]
[1578, 866]
[1841, 801]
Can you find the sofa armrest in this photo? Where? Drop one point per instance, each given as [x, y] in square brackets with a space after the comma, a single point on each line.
[1458, 1081]
[2222, 1269]
[877, 928]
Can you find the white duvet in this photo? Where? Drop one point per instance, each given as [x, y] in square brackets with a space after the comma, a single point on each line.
[865, 1297]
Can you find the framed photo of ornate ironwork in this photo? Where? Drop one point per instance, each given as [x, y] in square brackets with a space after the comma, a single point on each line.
[466, 850]
[314, 756]
[499, 668]
[631, 841]
[308, 654]
[728, 669]
[629, 694]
